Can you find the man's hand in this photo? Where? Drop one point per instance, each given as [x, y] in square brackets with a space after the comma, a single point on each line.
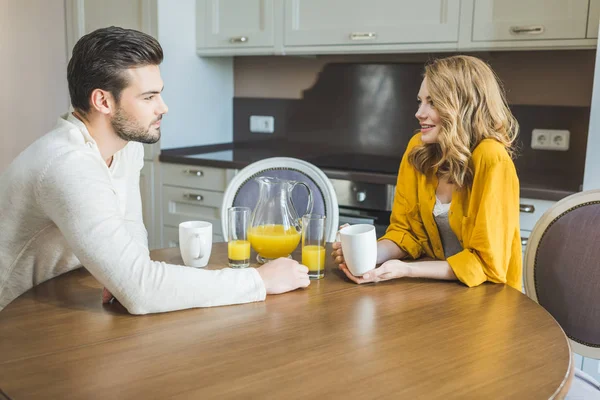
[283, 275]
[107, 296]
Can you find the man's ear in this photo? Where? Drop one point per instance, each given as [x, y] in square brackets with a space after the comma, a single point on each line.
[102, 101]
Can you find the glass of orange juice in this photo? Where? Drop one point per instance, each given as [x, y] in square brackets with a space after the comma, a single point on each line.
[313, 245]
[238, 245]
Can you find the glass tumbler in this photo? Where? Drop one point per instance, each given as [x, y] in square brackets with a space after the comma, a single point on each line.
[238, 246]
[313, 245]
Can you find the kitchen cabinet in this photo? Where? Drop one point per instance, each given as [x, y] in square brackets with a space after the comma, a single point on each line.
[235, 26]
[529, 20]
[593, 19]
[362, 24]
[192, 193]
[531, 211]
[263, 27]
[531, 24]
[147, 194]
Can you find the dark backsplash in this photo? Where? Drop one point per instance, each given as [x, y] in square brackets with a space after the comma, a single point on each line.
[369, 109]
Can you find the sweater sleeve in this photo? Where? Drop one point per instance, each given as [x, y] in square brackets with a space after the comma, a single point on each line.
[133, 209]
[399, 231]
[489, 229]
[75, 191]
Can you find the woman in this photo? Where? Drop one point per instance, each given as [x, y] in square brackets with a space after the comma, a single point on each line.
[457, 195]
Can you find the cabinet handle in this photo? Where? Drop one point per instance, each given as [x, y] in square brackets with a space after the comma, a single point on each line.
[527, 208]
[192, 196]
[195, 172]
[363, 35]
[529, 30]
[238, 39]
[524, 241]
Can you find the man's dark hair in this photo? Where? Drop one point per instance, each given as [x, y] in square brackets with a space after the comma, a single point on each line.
[101, 58]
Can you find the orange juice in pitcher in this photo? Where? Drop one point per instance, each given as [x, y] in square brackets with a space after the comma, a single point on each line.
[274, 241]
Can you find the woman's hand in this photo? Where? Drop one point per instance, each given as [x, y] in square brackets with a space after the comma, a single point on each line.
[391, 269]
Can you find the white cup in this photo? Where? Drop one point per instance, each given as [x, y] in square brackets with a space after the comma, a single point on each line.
[195, 243]
[359, 245]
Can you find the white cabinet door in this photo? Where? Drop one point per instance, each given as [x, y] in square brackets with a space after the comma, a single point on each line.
[529, 19]
[593, 18]
[235, 23]
[148, 207]
[352, 22]
[85, 16]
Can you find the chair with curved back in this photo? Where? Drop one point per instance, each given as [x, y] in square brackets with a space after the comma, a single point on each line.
[243, 190]
[562, 274]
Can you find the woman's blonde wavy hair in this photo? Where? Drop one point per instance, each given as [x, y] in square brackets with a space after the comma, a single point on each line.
[472, 106]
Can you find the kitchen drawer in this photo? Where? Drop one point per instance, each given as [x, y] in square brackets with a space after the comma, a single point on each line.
[184, 204]
[524, 238]
[171, 236]
[531, 211]
[195, 176]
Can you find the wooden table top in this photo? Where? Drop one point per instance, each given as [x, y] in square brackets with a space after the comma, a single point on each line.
[403, 339]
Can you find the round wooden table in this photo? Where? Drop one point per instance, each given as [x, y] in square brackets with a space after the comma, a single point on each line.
[403, 339]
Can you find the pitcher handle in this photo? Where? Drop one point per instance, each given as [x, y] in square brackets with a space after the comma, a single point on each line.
[309, 206]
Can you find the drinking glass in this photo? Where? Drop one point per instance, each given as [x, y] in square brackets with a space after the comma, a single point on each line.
[313, 245]
[238, 246]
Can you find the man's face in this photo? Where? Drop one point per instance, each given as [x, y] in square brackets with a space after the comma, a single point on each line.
[141, 107]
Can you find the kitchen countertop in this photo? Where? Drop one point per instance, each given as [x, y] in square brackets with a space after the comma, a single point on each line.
[340, 164]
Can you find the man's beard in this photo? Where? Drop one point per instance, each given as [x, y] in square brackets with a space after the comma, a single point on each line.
[127, 129]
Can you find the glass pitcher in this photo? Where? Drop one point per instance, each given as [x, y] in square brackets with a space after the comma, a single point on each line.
[275, 229]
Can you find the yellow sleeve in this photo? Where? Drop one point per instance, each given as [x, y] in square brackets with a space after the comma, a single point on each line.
[490, 226]
[405, 199]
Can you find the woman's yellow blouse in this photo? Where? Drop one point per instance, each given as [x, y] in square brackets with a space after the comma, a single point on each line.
[484, 217]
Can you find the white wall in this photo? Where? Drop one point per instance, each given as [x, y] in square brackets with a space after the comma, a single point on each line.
[198, 91]
[591, 175]
[33, 72]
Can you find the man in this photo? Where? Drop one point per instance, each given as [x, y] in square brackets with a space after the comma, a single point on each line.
[72, 198]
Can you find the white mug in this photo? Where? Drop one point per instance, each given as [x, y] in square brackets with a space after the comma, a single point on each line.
[359, 245]
[195, 243]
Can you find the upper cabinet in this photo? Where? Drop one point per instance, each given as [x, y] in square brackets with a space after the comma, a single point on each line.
[527, 24]
[529, 20]
[593, 19]
[85, 16]
[235, 26]
[371, 22]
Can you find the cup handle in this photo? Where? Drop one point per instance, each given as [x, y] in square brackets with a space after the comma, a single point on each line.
[198, 245]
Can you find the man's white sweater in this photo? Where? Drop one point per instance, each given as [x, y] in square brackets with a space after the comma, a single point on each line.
[61, 207]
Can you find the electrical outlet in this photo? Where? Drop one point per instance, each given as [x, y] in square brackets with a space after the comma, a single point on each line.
[262, 124]
[550, 139]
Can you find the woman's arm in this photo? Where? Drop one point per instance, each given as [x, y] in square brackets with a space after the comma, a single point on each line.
[388, 250]
[394, 269]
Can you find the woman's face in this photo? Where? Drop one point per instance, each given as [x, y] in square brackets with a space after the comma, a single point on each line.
[428, 117]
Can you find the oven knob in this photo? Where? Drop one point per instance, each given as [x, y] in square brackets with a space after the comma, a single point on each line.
[361, 196]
